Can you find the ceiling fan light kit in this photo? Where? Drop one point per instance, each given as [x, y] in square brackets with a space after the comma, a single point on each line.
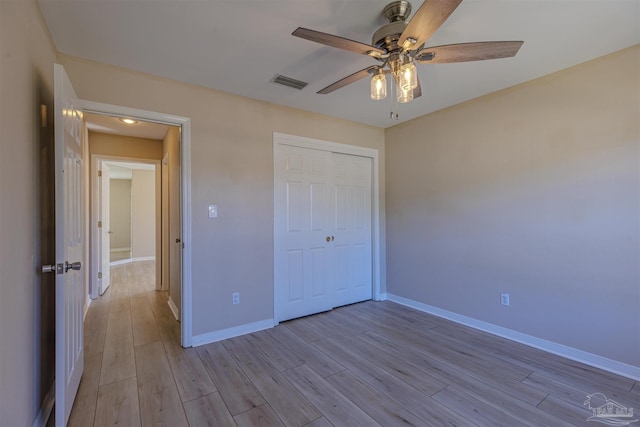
[399, 44]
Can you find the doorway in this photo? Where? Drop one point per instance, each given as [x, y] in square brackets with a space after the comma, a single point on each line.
[121, 157]
[125, 214]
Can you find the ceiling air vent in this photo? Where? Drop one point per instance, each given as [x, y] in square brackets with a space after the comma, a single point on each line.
[288, 81]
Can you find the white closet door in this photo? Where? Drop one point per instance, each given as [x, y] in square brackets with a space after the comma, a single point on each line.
[302, 224]
[322, 250]
[352, 252]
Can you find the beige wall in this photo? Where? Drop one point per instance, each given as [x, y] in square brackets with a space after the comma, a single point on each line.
[26, 211]
[232, 166]
[120, 214]
[533, 191]
[124, 146]
[143, 213]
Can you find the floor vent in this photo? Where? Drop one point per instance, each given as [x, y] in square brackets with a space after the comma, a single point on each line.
[288, 81]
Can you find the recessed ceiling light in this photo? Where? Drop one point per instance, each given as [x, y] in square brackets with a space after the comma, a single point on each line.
[129, 121]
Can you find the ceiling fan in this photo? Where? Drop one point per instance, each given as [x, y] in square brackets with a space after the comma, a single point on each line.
[399, 44]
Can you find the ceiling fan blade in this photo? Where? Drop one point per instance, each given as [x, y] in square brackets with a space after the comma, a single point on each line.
[463, 52]
[347, 80]
[338, 42]
[427, 19]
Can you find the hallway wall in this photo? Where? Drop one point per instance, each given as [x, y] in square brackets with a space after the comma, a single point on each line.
[143, 214]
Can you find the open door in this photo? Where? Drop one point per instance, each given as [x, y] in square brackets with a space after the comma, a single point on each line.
[105, 227]
[69, 245]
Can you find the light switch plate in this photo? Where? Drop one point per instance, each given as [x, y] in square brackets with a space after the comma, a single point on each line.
[213, 211]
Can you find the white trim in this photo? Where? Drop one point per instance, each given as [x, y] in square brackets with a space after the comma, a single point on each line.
[185, 168]
[47, 407]
[585, 357]
[236, 331]
[143, 258]
[119, 249]
[173, 308]
[317, 144]
[130, 260]
[186, 294]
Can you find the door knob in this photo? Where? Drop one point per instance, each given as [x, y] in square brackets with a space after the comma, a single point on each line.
[328, 239]
[53, 268]
[72, 266]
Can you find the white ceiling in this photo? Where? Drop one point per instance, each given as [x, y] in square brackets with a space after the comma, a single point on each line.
[237, 46]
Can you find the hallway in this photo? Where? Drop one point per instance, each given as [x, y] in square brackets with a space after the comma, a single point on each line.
[131, 344]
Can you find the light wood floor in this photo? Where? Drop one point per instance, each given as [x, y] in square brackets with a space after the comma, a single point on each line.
[373, 363]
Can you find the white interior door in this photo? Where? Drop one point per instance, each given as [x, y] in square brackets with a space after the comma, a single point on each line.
[322, 251]
[303, 227]
[105, 229]
[352, 221]
[69, 245]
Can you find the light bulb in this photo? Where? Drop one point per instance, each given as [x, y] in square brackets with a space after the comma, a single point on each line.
[408, 75]
[378, 85]
[405, 95]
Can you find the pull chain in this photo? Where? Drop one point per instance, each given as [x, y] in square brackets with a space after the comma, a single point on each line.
[394, 102]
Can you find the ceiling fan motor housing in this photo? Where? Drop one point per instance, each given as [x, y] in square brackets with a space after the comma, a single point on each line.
[387, 36]
[397, 11]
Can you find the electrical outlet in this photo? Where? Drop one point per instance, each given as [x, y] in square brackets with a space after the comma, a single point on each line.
[504, 299]
[236, 297]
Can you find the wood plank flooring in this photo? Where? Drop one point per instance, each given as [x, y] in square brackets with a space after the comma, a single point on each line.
[368, 364]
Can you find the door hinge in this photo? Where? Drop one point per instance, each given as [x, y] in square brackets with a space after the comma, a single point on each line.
[99, 224]
[99, 275]
[99, 173]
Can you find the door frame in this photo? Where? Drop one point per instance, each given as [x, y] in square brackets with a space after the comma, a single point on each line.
[95, 164]
[334, 147]
[186, 316]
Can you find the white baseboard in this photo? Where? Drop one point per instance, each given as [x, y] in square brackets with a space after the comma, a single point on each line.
[143, 258]
[120, 249]
[231, 332]
[128, 260]
[174, 309]
[585, 357]
[47, 406]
